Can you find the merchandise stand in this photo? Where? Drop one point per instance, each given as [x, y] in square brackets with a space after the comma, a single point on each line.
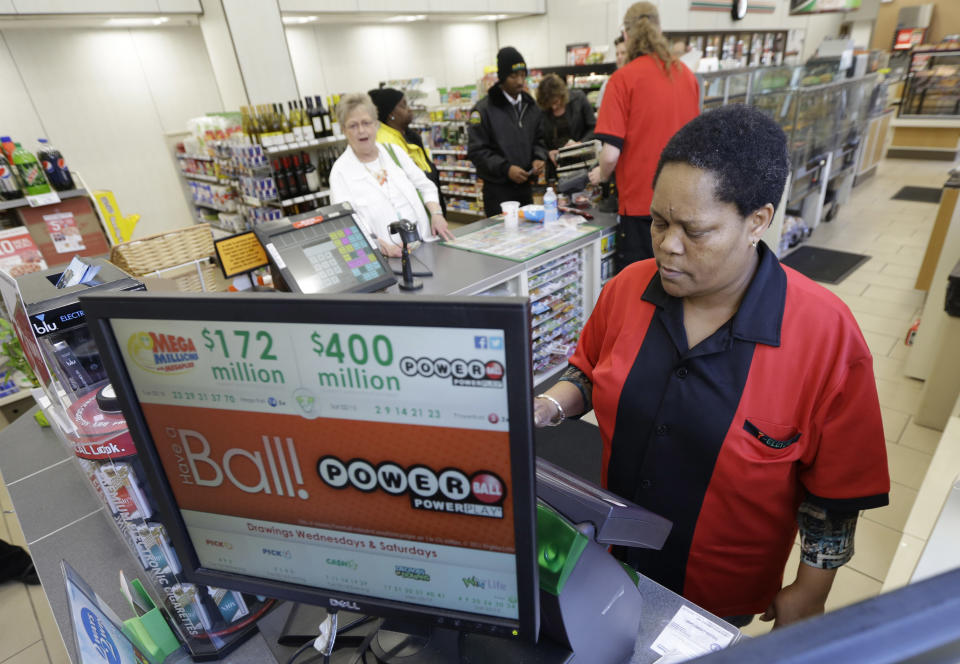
[826, 126]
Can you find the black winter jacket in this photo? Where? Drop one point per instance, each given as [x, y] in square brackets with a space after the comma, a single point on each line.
[499, 137]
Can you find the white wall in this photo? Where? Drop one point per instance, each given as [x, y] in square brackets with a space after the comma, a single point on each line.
[107, 99]
[336, 58]
[543, 39]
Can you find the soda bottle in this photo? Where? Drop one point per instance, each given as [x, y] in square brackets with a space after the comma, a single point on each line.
[9, 187]
[30, 172]
[7, 146]
[54, 166]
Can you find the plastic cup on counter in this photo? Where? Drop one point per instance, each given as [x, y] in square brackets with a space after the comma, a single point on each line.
[511, 215]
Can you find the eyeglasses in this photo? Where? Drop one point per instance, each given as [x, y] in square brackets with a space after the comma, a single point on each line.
[353, 126]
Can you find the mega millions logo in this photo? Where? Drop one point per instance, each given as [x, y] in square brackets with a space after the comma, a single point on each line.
[162, 353]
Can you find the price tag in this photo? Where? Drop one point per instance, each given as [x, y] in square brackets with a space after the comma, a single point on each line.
[40, 200]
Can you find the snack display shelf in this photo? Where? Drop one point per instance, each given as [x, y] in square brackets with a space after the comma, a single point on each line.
[459, 194]
[448, 151]
[558, 321]
[196, 157]
[465, 169]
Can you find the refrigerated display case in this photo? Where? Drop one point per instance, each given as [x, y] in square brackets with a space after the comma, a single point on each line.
[932, 87]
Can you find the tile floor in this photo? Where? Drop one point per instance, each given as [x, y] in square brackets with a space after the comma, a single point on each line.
[882, 297]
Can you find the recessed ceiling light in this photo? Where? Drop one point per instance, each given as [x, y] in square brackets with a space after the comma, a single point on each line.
[406, 18]
[136, 22]
[298, 20]
[491, 17]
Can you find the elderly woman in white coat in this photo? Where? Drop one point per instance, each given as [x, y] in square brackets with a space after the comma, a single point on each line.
[383, 185]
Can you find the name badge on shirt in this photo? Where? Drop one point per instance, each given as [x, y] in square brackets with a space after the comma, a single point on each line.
[769, 441]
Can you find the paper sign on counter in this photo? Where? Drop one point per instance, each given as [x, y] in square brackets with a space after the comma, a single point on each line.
[689, 633]
[240, 253]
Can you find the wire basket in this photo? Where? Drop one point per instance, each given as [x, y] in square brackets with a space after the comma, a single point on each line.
[183, 255]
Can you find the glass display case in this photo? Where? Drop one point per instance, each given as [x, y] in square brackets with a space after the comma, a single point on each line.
[932, 87]
[720, 88]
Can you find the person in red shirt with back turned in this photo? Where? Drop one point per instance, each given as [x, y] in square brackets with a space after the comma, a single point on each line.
[645, 103]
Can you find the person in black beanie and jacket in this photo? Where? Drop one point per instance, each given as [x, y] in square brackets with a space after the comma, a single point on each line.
[505, 130]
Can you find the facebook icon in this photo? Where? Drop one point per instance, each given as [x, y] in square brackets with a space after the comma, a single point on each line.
[479, 342]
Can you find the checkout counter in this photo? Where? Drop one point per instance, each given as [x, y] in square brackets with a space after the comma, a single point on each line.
[62, 519]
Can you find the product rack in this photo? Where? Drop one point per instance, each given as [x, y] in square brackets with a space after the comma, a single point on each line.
[826, 125]
[557, 303]
[234, 187]
[460, 186]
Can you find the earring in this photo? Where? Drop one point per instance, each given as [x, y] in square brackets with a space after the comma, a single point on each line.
[754, 244]
[391, 117]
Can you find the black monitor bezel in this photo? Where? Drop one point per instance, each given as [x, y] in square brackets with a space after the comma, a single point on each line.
[269, 230]
[510, 314]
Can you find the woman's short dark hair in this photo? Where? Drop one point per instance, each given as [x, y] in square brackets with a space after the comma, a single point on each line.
[742, 147]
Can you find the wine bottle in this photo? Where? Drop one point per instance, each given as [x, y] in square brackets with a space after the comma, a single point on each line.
[310, 172]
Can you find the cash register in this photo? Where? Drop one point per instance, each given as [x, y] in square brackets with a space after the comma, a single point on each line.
[323, 251]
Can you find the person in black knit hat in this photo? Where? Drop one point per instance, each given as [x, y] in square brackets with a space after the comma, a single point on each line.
[395, 117]
[506, 142]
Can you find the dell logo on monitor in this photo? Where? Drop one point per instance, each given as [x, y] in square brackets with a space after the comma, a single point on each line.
[344, 604]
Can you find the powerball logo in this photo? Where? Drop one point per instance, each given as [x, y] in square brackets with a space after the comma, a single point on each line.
[162, 353]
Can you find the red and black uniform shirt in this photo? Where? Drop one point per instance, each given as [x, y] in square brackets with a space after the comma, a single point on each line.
[643, 107]
[727, 439]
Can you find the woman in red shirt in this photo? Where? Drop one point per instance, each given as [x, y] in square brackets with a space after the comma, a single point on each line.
[645, 103]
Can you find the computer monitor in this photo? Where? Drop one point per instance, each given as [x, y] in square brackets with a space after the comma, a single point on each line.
[369, 453]
[324, 251]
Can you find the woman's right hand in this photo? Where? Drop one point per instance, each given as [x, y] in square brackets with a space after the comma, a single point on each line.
[544, 411]
[389, 248]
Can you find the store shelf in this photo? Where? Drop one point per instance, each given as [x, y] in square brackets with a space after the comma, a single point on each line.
[447, 151]
[608, 254]
[198, 157]
[455, 194]
[22, 202]
[469, 213]
[300, 199]
[210, 206]
[252, 201]
[465, 169]
[204, 178]
[231, 231]
[303, 145]
[549, 373]
[458, 180]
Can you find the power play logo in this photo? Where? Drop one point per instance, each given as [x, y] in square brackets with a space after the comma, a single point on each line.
[162, 353]
[462, 373]
[449, 490]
